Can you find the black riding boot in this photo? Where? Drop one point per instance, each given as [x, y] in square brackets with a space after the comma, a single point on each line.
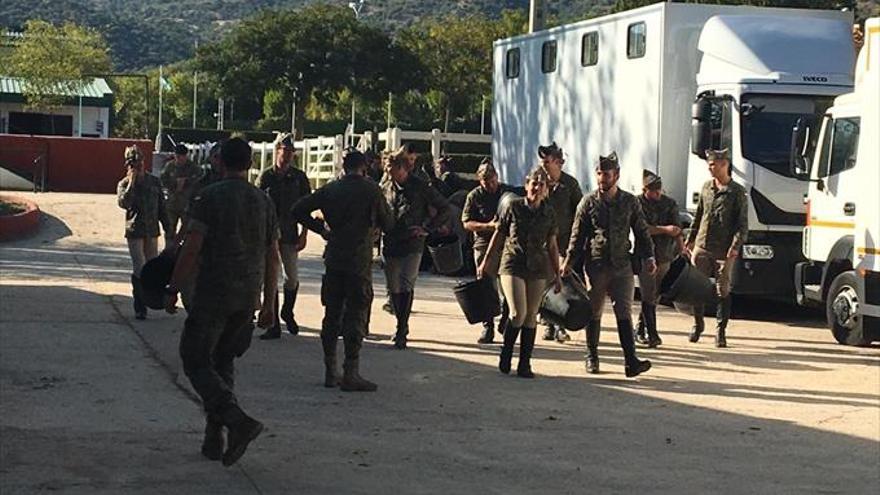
[287, 310]
[504, 321]
[213, 443]
[641, 328]
[402, 308]
[699, 324]
[649, 314]
[140, 309]
[273, 332]
[526, 346]
[331, 373]
[634, 366]
[488, 335]
[594, 328]
[510, 335]
[722, 316]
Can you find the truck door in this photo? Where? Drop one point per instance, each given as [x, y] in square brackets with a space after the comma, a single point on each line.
[833, 202]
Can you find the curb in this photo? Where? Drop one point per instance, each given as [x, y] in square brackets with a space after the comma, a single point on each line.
[16, 226]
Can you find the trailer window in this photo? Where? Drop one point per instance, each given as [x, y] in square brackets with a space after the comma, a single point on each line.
[548, 57]
[636, 40]
[512, 63]
[844, 147]
[590, 49]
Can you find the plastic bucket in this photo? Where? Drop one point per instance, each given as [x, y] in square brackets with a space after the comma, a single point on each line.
[686, 285]
[478, 300]
[155, 275]
[446, 253]
[569, 308]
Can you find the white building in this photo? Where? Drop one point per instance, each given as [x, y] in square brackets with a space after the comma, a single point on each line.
[86, 113]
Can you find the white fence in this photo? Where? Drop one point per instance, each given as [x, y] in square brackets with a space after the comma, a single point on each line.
[321, 157]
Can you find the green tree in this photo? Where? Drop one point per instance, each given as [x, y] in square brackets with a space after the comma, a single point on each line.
[56, 60]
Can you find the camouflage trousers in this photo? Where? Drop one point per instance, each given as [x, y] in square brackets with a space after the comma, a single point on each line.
[347, 299]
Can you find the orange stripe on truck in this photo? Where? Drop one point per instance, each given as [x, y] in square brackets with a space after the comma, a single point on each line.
[813, 222]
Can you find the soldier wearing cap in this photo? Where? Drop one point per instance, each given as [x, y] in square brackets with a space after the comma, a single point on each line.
[179, 177]
[565, 194]
[480, 216]
[352, 208]
[286, 184]
[230, 247]
[140, 194]
[600, 236]
[721, 226]
[661, 214]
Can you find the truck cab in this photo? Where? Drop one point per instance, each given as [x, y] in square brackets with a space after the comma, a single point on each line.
[838, 158]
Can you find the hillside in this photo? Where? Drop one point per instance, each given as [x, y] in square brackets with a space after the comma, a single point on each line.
[143, 34]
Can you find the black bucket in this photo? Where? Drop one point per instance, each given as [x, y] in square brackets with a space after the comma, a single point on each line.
[446, 253]
[155, 275]
[686, 285]
[570, 308]
[478, 300]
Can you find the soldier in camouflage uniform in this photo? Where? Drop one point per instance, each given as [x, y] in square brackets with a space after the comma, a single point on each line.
[600, 235]
[661, 214]
[720, 228]
[231, 246]
[565, 194]
[286, 184]
[140, 194]
[179, 177]
[527, 230]
[352, 207]
[411, 201]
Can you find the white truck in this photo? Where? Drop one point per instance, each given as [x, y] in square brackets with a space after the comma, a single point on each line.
[628, 82]
[842, 238]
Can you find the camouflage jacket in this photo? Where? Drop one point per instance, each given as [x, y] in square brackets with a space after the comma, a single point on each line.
[353, 207]
[481, 206]
[178, 197]
[526, 231]
[144, 205]
[664, 211]
[285, 189]
[410, 205]
[722, 219]
[601, 230]
[564, 198]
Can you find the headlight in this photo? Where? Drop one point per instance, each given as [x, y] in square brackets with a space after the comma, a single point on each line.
[757, 252]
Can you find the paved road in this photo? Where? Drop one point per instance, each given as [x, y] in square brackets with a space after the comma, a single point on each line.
[92, 401]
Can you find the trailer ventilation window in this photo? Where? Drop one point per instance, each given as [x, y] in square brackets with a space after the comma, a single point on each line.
[590, 49]
[548, 57]
[637, 38]
[512, 66]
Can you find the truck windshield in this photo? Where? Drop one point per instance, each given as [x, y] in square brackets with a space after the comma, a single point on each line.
[767, 122]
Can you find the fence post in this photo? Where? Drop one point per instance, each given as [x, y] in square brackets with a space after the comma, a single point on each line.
[435, 143]
[367, 142]
[338, 146]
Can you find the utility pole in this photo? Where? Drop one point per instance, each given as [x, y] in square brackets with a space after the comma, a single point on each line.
[195, 91]
[536, 15]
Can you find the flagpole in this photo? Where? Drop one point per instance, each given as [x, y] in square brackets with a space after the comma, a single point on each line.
[158, 144]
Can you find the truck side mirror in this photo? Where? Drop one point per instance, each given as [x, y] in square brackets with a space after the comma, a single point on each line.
[701, 128]
[799, 154]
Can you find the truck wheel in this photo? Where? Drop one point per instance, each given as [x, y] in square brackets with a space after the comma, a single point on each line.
[842, 309]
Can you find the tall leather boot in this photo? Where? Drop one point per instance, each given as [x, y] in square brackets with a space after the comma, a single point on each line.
[526, 346]
[331, 375]
[504, 321]
[488, 334]
[641, 327]
[402, 308]
[273, 332]
[722, 316]
[699, 324]
[634, 366]
[213, 443]
[287, 310]
[352, 381]
[242, 430]
[649, 314]
[510, 335]
[594, 328]
[140, 309]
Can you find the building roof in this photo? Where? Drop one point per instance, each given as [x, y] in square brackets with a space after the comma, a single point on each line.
[97, 88]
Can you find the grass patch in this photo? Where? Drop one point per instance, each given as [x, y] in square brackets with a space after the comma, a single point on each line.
[11, 208]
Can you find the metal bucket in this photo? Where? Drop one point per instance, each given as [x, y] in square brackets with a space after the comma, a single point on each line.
[478, 300]
[569, 308]
[446, 254]
[686, 285]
